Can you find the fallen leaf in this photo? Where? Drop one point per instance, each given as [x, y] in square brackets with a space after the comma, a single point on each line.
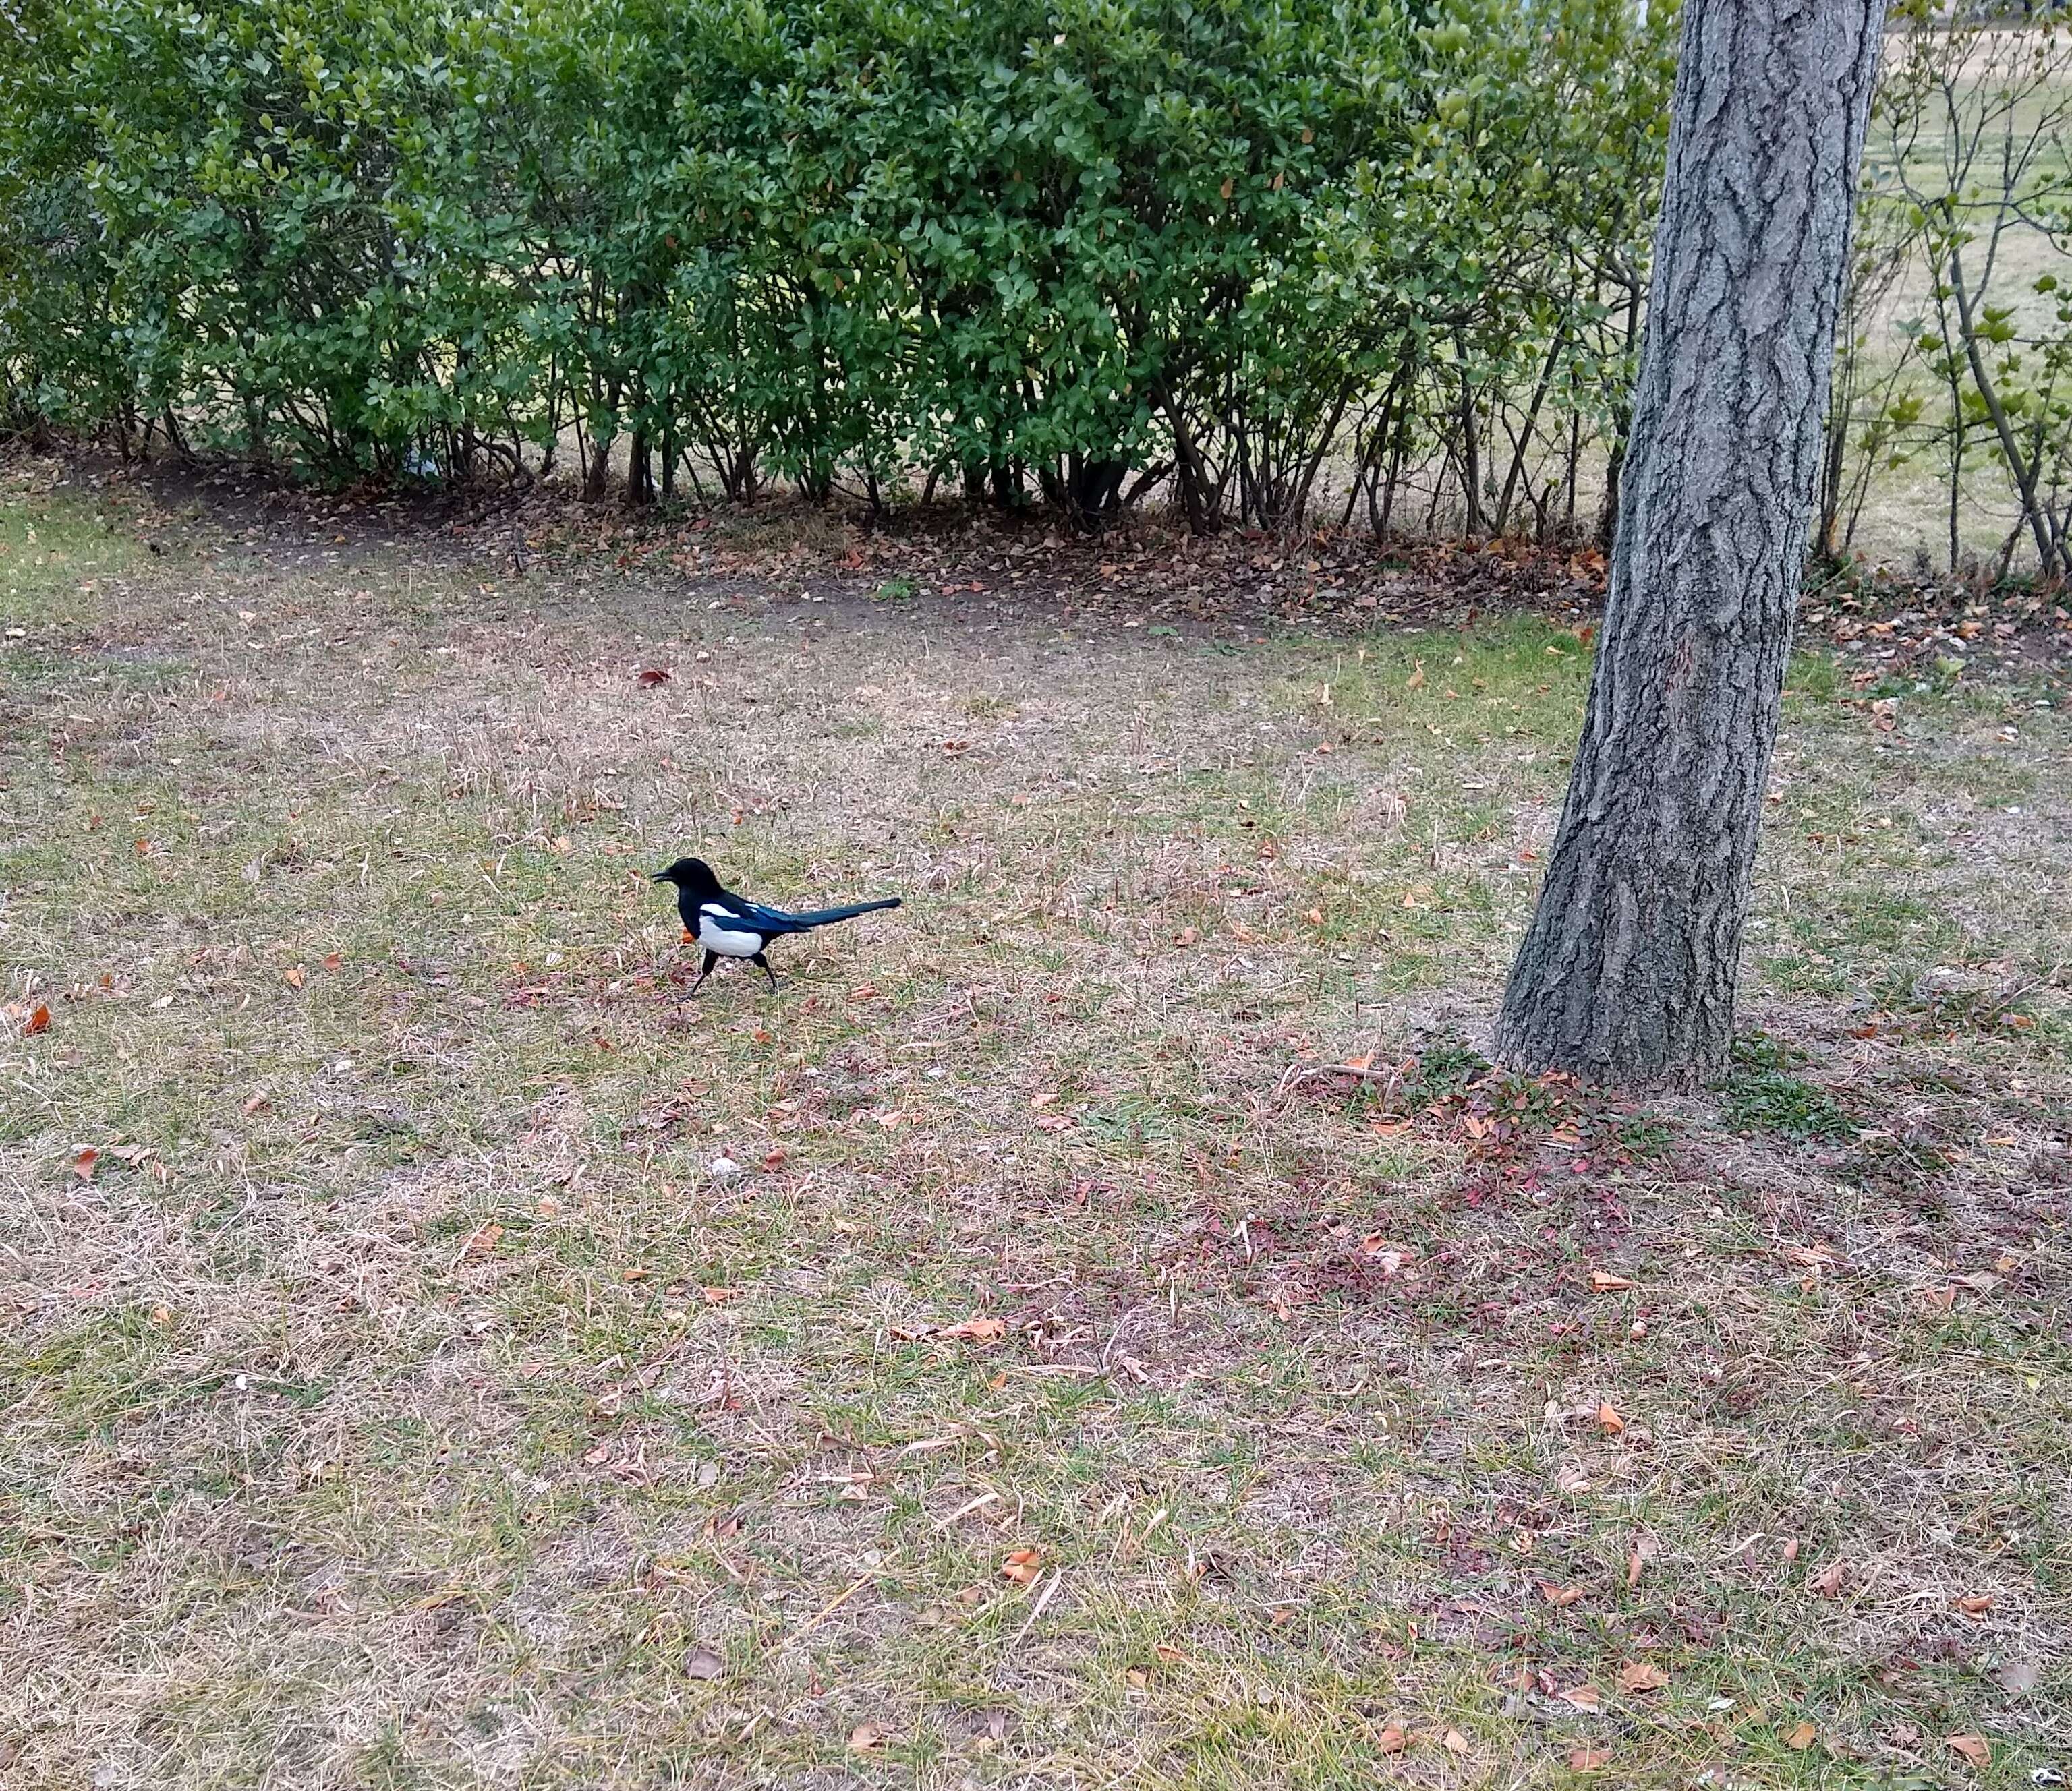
[974, 1330]
[1560, 1596]
[1645, 1548]
[1608, 1420]
[334, 960]
[2020, 1677]
[1801, 1738]
[1602, 1283]
[1416, 679]
[652, 676]
[866, 1738]
[1974, 1748]
[1588, 1760]
[1023, 1566]
[83, 1164]
[704, 1664]
[1828, 1582]
[1975, 1607]
[1642, 1676]
[483, 1239]
[39, 1020]
[293, 977]
[1455, 1742]
[1583, 1697]
[255, 1103]
[1392, 1740]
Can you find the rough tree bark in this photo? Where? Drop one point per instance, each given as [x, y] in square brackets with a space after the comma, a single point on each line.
[1627, 971]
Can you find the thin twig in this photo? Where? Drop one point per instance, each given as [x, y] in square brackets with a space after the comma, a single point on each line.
[827, 1610]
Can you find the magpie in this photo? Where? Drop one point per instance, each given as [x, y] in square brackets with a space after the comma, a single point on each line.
[729, 925]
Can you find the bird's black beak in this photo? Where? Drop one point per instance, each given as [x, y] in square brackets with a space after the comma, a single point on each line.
[658, 876]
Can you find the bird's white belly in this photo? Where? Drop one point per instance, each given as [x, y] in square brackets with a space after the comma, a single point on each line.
[727, 942]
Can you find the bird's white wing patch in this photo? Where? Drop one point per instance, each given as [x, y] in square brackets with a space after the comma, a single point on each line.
[728, 942]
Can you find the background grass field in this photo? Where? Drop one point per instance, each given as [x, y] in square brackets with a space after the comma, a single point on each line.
[1010, 1356]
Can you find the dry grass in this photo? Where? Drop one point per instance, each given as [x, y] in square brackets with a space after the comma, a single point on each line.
[404, 1400]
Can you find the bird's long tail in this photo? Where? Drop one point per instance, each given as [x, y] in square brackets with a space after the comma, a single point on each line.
[827, 916]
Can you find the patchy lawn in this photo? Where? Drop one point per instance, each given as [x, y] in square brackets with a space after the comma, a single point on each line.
[438, 1352]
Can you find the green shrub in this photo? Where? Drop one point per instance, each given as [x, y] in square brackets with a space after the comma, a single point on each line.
[1074, 250]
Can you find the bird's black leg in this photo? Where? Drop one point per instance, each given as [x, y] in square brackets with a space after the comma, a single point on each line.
[758, 959]
[712, 958]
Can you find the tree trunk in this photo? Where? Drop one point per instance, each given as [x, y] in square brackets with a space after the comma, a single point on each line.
[1627, 971]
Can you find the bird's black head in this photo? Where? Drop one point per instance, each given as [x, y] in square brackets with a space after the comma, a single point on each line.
[693, 876]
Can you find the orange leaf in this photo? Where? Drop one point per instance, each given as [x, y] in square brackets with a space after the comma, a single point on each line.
[652, 676]
[1583, 1697]
[483, 1239]
[82, 1165]
[293, 977]
[39, 1020]
[1803, 1737]
[974, 1330]
[866, 1738]
[1608, 1420]
[1587, 1760]
[1560, 1596]
[1023, 1566]
[1974, 1748]
[1227, 186]
[1455, 1742]
[1392, 1740]
[1642, 1676]
[1828, 1582]
[334, 960]
[1975, 1607]
[1602, 1283]
[1416, 679]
